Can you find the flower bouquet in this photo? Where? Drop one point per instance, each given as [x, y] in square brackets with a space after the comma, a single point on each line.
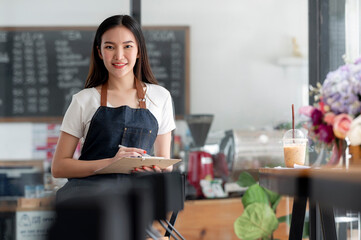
[335, 114]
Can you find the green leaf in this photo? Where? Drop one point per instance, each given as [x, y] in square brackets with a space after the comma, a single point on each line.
[275, 204]
[306, 230]
[273, 197]
[286, 219]
[282, 219]
[257, 221]
[254, 193]
[306, 227]
[246, 180]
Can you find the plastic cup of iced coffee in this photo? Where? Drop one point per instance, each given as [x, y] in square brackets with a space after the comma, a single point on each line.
[294, 147]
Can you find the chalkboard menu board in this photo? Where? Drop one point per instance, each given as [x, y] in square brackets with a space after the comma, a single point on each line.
[169, 58]
[41, 68]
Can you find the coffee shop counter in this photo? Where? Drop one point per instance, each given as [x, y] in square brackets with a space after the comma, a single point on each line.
[213, 219]
[200, 219]
[25, 218]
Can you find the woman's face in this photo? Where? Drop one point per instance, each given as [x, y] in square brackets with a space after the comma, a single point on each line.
[119, 52]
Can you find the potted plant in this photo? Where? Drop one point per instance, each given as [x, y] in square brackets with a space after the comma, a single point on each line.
[258, 220]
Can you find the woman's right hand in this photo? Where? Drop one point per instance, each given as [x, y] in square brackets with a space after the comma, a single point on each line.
[128, 152]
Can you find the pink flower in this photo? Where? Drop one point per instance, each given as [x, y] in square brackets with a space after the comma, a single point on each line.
[316, 117]
[306, 110]
[329, 118]
[341, 125]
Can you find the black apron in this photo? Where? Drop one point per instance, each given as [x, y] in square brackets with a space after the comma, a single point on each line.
[109, 128]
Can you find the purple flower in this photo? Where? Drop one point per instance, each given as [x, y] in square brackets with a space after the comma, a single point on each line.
[340, 93]
[358, 61]
[326, 133]
[316, 117]
[341, 89]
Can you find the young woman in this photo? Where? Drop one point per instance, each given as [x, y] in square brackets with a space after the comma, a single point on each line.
[120, 105]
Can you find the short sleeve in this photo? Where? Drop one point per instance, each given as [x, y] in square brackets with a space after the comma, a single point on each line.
[72, 121]
[167, 123]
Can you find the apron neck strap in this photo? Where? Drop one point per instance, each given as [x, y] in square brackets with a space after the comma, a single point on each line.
[138, 86]
[140, 93]
[103, 94]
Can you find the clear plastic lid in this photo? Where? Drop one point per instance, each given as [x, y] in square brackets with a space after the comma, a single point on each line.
[294, 134]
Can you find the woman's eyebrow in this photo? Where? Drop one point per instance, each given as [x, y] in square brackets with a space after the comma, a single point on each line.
[110, 42]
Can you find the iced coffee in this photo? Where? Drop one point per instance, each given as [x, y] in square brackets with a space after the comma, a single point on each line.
[294, 147]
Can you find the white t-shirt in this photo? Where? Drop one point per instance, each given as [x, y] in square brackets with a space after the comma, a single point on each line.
[85, 103]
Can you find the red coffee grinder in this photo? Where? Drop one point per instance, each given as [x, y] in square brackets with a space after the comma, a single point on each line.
[200, 164]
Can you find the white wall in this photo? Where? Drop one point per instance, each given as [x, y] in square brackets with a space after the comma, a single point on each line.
[235, 46]
[62, 13]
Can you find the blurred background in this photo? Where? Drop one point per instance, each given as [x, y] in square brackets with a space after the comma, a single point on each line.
[244, 63]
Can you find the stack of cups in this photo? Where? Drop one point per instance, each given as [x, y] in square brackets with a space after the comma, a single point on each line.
[294, 147]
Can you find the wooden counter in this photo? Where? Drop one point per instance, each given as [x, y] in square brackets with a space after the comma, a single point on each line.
[213, 219]
[201, 219]
[35, 204]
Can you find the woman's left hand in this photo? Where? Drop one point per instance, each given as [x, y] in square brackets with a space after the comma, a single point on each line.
[149, 169]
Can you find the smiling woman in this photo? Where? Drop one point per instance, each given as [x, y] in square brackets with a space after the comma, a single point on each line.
[229, 55]
[119, 53]
[119, 38]
[121, 105]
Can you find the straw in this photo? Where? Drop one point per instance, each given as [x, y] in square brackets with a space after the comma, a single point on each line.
[293, 121]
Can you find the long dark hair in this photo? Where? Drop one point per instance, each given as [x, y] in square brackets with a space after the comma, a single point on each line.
[98, 74]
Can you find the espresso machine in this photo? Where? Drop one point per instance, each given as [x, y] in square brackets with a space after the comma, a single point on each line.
[200, 163]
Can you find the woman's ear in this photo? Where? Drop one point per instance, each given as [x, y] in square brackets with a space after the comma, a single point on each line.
[100, 53]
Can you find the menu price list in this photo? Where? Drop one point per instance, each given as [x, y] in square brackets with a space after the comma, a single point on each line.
[166, 52]
[41, 70]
